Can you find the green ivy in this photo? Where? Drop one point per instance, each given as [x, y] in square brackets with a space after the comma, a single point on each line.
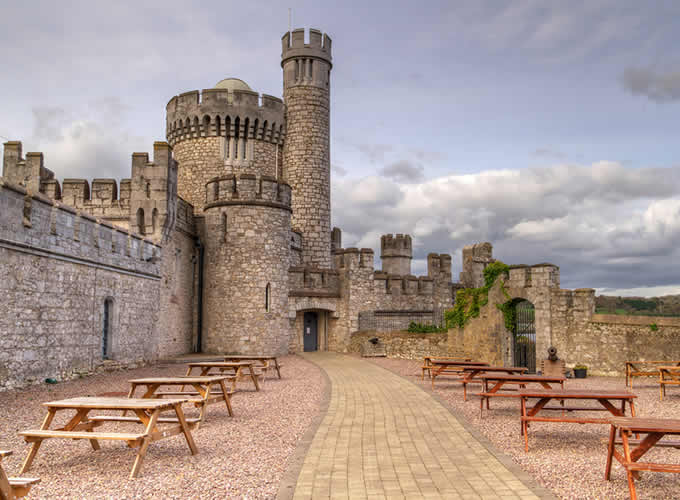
[653, 327]
[414, 327]
[509, 315]
[469, 301]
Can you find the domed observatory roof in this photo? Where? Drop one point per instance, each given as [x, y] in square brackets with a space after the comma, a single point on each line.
[232, 84]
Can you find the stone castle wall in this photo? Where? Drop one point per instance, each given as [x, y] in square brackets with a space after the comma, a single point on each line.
[58, 268]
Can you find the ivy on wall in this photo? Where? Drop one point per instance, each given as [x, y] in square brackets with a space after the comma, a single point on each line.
[414, 327]
[469, 301]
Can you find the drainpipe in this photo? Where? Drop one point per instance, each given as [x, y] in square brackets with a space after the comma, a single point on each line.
[199, 319]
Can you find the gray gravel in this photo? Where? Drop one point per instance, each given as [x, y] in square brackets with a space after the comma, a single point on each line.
[240, 457]
[568, 459]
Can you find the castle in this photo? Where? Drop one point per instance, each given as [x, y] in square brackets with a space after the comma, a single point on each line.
[235, 210]
[223, 244]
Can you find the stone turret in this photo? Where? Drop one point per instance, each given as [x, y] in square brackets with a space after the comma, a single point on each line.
[396, 252]
[306, 152]
[225, 130]
[475, 258]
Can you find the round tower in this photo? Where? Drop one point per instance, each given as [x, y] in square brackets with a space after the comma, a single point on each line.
[396, 253]
[247, 243]
[306, 152]
[225, 130]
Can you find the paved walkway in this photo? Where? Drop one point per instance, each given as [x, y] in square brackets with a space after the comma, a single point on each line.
[384, 437]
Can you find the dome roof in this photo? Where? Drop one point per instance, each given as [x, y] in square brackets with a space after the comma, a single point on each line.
[232, 84]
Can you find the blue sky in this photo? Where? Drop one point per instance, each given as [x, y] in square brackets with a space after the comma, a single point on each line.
[547, 128]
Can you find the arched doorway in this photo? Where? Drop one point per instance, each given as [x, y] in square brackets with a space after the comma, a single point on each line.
[524, 335]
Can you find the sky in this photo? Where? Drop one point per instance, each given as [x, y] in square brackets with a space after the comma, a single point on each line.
[547, 128]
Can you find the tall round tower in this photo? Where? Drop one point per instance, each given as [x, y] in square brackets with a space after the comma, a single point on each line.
[221, 131]
[306, 152]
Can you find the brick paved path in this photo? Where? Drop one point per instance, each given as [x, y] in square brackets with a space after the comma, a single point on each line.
[384, 437]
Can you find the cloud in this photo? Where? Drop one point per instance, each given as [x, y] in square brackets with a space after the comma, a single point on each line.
[605, 225]
[655, 85]
[375, 153]
[86, 144]
[403, 171]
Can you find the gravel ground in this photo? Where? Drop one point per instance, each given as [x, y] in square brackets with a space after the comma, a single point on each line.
[240, 457]
[568, 459]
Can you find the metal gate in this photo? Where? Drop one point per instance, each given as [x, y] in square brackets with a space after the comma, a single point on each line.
[524, 351]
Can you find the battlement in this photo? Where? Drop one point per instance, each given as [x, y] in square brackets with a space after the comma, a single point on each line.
[396, 245]
[475, 258]
[28, 172]
[293, 45]
[393, 284]
[247, 189]
[353, 258]
[538, 275]
[225, 113]
[313, 282]
[32, 222]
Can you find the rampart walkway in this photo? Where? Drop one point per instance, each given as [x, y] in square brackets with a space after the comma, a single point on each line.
[384, 437]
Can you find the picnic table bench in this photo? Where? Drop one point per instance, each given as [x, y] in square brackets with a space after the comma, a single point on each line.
[448, 366]
[502, 380]
[645, 369]
[266, 363]
[14, 487]
[80, 426]
[235, 368]
[427, 363]
[655, 429]
[471, 372]
[668, 375]
[201, 395]
[606, 399]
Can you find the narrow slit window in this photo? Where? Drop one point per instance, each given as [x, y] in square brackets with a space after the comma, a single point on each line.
[267, 297]
[106, 329]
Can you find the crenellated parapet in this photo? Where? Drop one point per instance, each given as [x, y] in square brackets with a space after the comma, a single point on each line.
[393, 284]
[33, 223]
[396, 252]
[538, 275]
[231, 114]
[304, 281]
[29, 172]
[353, 258]
[247, 189]
[475, 258]
[306, 63]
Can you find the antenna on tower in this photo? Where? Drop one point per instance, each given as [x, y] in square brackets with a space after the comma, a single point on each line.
[290, 13]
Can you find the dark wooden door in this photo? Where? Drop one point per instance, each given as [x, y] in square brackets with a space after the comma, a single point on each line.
[309, 332]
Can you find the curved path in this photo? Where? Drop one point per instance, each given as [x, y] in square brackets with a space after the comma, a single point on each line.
[384, 437]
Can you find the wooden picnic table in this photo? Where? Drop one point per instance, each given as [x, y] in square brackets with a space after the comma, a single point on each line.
[80, 426]
[201, 395]
[668, 375]
[439, 366]
[607, 400]
[645, 369]
[501, 380]
[471, 372]
[427, 363]
[14, 487]
[236, 368]
[265, 361]
[655, 429]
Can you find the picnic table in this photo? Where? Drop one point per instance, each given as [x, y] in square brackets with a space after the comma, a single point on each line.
[645, 369]
[471, 372]
[655, 429]
[266, 362]
[235, 368]
[502, 380]
[607, 400]
[427, 363]
[14, 487]
[80, 426]
[668, 375]
[439, 366]
[201, 395]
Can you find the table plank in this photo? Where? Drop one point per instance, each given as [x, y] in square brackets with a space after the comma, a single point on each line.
[104, 403]
[179, 380]
[576, 394]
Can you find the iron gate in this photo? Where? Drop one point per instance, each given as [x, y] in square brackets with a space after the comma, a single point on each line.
[524, 352]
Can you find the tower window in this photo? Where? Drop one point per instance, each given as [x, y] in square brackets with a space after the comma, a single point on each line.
[224, 226]
[267, 297]
[140, 221]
